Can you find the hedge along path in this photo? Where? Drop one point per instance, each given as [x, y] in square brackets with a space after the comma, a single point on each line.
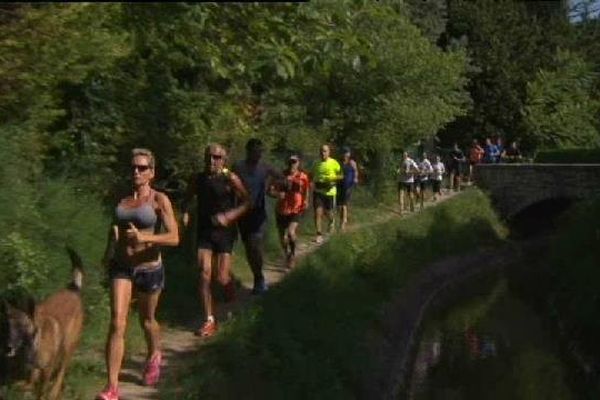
[179, 342]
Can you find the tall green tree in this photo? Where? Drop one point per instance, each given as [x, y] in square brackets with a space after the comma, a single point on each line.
[507, 42]
[561, 109]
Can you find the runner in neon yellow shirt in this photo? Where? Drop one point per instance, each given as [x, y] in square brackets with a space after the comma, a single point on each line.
[326, 175]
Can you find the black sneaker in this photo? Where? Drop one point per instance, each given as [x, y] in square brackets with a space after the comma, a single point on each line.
[260, 287]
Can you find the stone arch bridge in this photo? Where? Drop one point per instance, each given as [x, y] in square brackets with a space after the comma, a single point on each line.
[515, 187]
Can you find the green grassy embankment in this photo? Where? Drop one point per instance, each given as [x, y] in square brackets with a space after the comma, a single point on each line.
[307, 335]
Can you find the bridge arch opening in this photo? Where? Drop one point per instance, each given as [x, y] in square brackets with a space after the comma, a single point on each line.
[539, 217]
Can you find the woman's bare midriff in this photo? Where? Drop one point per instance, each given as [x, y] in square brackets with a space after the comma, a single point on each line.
[142, 255]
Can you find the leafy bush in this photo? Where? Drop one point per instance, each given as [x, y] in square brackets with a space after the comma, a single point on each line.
[26, 268]
[561, 109]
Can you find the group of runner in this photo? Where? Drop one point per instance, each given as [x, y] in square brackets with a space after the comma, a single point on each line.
[417, 177]
[414, 178]
[228, 202]
[232, 201]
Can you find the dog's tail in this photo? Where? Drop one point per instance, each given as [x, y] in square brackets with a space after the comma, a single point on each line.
[77, 264]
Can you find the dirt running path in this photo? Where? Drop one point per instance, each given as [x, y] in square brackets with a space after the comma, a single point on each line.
[177, 343]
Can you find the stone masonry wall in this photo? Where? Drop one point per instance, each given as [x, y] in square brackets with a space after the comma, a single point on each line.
[513, 187]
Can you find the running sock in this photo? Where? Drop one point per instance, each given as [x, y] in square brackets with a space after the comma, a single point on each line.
[210, 318]
[288, 248]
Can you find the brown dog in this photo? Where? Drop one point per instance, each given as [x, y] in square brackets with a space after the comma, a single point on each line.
[46, 335]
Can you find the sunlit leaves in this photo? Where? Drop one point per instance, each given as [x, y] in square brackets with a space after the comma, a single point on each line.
[561, 110]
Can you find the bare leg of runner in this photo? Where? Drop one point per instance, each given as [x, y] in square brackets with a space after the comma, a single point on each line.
[318, 224]
[291, 234]
[343, 216]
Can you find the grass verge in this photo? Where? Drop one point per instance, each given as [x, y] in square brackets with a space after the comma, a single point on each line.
[306, 337]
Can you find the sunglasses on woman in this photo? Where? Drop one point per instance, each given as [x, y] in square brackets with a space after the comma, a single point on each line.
[140, 168]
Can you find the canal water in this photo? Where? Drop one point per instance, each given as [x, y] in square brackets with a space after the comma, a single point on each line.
[489, 345]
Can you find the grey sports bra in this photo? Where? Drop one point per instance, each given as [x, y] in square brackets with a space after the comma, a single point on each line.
[142, 217]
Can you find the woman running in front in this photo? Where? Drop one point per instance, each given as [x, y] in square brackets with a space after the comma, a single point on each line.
[293, 201]
[134, 264]
[217, 192]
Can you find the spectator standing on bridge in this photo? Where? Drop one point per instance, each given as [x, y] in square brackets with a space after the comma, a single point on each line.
[457, 158]
[345, 186]
[476, 153]
[512, 154]
[326, 174]
[490, 152]
[257, 177]
[292, 195]
[425, 170]
[406, 173]
[500, 147]
[437, 176]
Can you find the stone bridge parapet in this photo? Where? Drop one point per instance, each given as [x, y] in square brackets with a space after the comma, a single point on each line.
[514, 187]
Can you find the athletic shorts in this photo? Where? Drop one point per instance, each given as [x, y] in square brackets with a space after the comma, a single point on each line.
[406, 186]
[343, 195]
[216, 239]
[144, 279]
[436, 185]
[324, 201]
[423, 184]
[455, 169]
[283, 221]
[252, 227]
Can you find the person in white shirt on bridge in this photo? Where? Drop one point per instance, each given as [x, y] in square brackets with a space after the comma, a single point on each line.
[436, 177]
[406, 172]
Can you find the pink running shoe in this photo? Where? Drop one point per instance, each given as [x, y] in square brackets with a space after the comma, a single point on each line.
[109, 393]
[152, 370]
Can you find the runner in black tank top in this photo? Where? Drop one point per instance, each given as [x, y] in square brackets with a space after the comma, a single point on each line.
[217, 196]
[217, 191]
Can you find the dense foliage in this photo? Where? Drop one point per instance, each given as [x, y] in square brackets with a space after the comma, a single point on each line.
[561, 110]
[522, 57]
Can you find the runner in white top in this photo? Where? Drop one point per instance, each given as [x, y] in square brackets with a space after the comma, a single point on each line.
[425, 169]
[406, 172]
[436, 177]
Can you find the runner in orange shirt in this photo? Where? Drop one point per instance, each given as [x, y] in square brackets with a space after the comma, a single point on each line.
[475, 156]
[292, 195]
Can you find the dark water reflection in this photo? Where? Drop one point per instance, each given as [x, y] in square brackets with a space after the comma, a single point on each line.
[492, 346]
